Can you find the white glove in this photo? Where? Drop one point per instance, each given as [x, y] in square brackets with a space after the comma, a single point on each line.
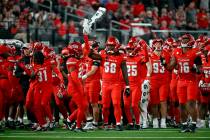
[59, 94]
[84, 77]
[200, 83]
[86, 26]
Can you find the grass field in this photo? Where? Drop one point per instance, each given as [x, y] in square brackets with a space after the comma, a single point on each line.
[59, 134]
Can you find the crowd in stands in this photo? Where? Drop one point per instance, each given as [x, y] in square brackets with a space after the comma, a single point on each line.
[17, 15]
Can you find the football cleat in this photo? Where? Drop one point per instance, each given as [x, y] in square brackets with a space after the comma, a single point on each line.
[1, 129]
[192, 127]
[88, 126]
[78, 130]
[119, 128]
[155, 123]
[144, 125]
[184, 128]
[129, 127]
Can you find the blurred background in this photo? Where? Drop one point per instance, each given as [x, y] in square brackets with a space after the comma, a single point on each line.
[58, 22]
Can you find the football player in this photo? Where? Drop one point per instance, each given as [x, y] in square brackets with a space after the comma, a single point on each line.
[76, 69]
[113, 63]
[159, 88]
[134, 61]
[188, 61]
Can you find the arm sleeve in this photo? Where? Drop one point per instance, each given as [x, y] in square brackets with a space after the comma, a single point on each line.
[198, 61]
[87, 45]
[56, 70]
[22, 66]
[96, 63]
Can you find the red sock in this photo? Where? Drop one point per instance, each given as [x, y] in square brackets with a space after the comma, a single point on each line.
[80, 117]
[117, 113]
[73, 116]
[48, 112]
[1, 106]
[105, 112]
[136, 112]
[128, 114]
[39, 113]
[72, 106]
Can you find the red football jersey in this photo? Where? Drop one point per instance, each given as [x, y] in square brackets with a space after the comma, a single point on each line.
[159, 71]
[89, 63]
[44, 73]
[3, 68]
[79, 69]
[111, 67]
[134, 68]
[206, 71]
[11, 73]
[185, 63]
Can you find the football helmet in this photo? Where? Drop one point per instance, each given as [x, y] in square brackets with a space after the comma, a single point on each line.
[187, 40]
[134, 46]
[169, 41]
[48, 52]
[75, 49]
[156, 46]
[112, 45]
[37, 46]
[4, 49]
[133, 40]
[65, 52]
[130, 49]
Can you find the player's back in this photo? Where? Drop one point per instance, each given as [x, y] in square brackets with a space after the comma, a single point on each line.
[43, 73]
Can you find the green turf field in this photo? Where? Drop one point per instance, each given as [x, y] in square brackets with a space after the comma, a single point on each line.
[169, 134]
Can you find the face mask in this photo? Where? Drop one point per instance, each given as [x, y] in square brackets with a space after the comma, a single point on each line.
[183, 45]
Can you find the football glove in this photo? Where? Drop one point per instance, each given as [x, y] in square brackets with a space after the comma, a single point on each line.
[200, 83]
[127, 91]
[162, 61]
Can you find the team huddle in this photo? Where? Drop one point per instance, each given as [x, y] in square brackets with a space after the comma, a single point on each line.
[168, 81]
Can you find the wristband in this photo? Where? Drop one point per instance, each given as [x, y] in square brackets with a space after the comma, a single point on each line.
[127, 86]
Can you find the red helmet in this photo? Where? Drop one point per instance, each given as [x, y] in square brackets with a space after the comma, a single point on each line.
[130, 49]
[170, 41]
[133, 40]
[65, 52]
[207, 48]
[159, 48]
[202, 38]
[37, 46]
[207, 42]
[4, 49]
[48, 52]
[112, 45]
[75, 49]
[200, 42]
[94, 44]
[187, 40]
